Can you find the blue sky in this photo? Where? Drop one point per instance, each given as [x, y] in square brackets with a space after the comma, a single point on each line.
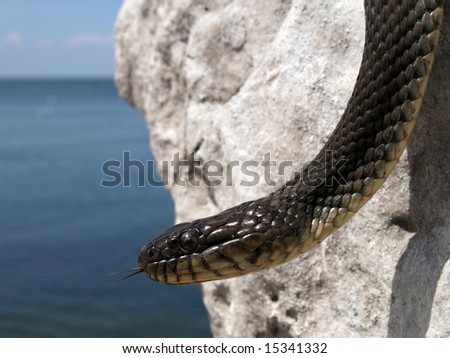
[57, 38]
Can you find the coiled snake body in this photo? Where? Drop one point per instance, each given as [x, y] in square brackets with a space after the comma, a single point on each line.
[401, 38]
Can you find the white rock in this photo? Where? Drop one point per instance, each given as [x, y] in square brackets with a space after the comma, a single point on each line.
[235, 80]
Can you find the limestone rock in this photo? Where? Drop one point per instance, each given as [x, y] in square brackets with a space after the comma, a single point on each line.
[229, 81]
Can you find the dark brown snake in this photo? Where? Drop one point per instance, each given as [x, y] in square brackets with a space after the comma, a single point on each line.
[401, 39]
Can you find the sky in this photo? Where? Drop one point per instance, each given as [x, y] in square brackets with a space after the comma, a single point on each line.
[57, 38]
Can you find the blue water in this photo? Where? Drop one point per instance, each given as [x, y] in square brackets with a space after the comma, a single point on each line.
[62, 233]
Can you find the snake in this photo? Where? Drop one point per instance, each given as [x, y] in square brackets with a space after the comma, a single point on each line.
[401, 37]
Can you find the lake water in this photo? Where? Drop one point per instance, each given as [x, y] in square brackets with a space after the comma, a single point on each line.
[62, 234]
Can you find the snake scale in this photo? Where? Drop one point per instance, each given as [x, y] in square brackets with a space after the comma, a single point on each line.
[400, 42]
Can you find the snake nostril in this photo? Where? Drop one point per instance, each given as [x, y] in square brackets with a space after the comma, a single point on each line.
[152, 254]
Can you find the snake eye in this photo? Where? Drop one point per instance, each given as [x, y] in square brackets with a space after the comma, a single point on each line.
[189, 241]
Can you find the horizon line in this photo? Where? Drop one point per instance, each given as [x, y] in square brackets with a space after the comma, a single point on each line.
[57, 78]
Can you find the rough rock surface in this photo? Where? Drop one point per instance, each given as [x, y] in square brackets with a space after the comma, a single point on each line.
[233, 80]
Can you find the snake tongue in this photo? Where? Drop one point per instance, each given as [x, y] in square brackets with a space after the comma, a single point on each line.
[133, 271]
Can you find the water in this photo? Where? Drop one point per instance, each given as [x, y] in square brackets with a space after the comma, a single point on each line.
[62, 234]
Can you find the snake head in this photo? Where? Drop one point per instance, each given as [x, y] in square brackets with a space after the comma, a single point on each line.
[202, 250]
[180, 240]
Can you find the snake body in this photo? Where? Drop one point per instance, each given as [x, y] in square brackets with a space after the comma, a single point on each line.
[400, 43]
